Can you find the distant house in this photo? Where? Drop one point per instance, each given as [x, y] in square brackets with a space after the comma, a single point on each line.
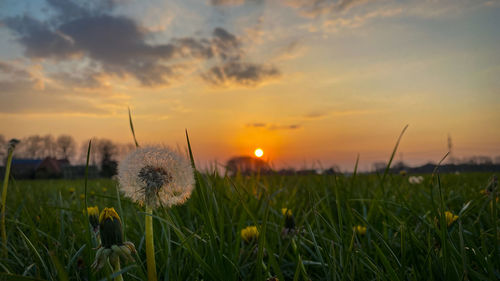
[49, 167]
[246, 165]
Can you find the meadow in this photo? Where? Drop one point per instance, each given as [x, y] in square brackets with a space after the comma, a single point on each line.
[407, 236]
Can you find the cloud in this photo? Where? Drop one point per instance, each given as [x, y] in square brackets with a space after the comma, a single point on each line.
[315, 8]
[315, 115]
[273, 127]
[232, 2]
[285, 127]
[23, 91]
[86, 80]
[14, 71]
[321, 114]
[117, 45]
[247, 74]
[13, 75]
[257, 125]
[16, 95]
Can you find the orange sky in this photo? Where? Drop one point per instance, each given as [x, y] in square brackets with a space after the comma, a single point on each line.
[307, 83]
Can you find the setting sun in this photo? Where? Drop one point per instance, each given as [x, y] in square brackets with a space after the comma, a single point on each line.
[258, 152]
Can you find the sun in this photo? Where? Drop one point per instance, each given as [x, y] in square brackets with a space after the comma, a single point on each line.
[259, 152]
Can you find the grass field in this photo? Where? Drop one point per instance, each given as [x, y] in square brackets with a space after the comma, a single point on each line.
[405, 237]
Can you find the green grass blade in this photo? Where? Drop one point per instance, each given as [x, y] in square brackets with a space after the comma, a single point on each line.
[132, 127]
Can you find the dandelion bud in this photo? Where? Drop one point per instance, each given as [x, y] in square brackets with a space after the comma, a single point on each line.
[250, 234]
[289, 219]
[110, 228]
[94, 217]
[112, 246]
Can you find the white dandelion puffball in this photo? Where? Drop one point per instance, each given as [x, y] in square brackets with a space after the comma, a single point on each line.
[156, 176]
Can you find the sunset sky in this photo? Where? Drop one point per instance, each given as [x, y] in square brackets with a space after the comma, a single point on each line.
[307, 81]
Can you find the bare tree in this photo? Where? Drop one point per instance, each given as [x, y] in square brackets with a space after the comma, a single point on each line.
[106, 148]
[31, 147]
[3, 148]
[49, 146]
[66, 147]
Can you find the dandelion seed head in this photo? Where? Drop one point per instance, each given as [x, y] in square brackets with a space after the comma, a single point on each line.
[156, 176]
[415, 179]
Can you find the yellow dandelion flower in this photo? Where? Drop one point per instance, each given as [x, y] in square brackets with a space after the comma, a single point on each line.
[108, 213]
[104, 189]
[450, 217]
[249, 234]
[289, 220]
[71, 190]
[82, 196]
[286, 212]
[402, 173]
[361, 230]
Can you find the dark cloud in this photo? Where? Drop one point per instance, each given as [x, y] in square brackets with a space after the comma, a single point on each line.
[72, 9]
[119, 46]
[39, 40]
[247, 74]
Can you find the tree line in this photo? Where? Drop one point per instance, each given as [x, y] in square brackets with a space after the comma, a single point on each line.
[66, 147]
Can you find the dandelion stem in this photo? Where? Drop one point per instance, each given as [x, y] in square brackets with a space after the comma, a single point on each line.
[117, 268]
[150, 247]
[4, 200]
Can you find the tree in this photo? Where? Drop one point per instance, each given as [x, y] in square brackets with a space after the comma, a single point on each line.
[107, 151]
[3, 148]
[49, 146]
[66, 147]
[31, 147]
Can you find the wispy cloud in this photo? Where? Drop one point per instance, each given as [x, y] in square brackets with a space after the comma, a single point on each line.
[273, 127]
